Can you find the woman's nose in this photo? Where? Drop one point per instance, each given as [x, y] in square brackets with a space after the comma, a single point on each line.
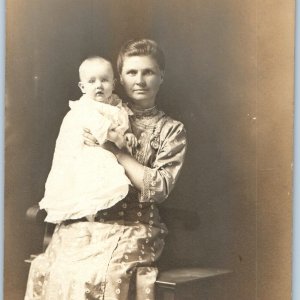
[140, 79]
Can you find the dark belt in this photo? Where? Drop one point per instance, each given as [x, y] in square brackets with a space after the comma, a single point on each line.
[72, 221]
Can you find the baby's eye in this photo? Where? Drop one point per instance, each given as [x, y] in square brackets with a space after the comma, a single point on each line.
[91, 80]
[104, 80]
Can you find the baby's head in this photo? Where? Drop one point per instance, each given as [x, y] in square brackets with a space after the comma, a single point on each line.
[96, 78]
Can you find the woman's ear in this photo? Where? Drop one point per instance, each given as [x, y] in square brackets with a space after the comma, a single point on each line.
[121, 80]
[162, 75]
[81, 86]
[114, 83]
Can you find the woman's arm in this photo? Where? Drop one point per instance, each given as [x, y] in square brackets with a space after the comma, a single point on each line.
[160, 179]
[154, 183]
[134, 170]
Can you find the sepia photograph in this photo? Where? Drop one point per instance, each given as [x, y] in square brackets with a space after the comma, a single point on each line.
[148, 149]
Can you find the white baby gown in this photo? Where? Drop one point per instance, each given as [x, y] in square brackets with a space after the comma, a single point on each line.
[85, 179]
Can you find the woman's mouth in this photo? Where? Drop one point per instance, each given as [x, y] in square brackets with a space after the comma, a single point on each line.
[140, 90]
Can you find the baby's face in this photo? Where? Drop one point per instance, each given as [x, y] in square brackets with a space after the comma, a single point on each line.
[97, 80]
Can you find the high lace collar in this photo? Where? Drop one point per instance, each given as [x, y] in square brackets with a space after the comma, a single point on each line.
[146, 112]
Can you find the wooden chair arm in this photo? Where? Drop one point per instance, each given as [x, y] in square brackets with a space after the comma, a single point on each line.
[173, 277]
[35, 215]
[192, 283]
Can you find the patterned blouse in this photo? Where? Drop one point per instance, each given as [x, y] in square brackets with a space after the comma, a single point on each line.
[161, 149]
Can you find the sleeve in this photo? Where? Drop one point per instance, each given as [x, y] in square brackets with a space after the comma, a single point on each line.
[99, 125]
[160, 179]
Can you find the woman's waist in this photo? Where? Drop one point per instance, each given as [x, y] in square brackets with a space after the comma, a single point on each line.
[122, 218]
[128, 210]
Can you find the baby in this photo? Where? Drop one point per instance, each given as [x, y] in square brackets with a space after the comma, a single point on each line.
[85, 179]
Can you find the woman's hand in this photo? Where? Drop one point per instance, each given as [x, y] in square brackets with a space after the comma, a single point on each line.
[89, 139]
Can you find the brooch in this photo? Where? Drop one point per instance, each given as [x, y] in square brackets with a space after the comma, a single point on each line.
[155, 143]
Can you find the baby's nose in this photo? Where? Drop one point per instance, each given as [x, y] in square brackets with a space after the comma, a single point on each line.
[98, 83]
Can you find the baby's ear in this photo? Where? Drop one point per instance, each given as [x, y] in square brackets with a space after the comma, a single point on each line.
[81, 86]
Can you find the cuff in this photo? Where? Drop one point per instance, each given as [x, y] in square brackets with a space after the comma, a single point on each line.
[147, 179]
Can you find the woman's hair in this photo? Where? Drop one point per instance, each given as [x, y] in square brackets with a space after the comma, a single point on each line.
[141, 47]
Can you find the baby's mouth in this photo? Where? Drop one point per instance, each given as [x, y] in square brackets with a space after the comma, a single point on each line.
[99, 93]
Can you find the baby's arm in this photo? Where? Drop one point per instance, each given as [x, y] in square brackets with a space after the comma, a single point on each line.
[120, 139]
[119, 131]
[126, 141]
[99, 125]
[125, 129]
[117, 137]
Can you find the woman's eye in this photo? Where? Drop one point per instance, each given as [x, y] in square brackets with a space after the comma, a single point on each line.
[131, 72]
[149, 72]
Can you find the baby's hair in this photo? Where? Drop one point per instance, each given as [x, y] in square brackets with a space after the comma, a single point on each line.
[141, 47]
[90, 59]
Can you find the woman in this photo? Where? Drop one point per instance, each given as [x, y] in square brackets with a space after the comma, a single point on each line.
[105, 258]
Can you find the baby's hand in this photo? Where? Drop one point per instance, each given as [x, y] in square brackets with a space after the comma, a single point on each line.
[131, 140]
[116, 138]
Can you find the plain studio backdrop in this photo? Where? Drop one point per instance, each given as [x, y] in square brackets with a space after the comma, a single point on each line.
[229, 79]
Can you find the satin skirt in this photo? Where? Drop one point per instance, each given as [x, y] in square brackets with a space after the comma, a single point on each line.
[94, 260]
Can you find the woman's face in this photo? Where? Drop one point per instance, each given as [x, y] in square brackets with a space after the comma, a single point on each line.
[141, 78]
